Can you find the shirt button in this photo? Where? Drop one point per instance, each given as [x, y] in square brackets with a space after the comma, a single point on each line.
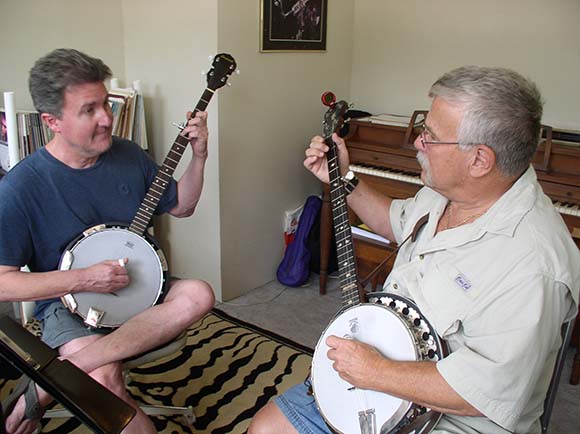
[421, 257]
[395, 285]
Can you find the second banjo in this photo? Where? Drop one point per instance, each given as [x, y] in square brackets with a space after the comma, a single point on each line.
[391, 323]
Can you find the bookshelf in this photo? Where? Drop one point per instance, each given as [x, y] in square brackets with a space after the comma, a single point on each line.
[9, 148]
[128, 112]
[23, 132]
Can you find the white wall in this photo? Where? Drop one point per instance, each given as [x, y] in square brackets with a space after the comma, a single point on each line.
[381, 54]
[401, 47]
[167, 45]
[29, 29]
[266, 121]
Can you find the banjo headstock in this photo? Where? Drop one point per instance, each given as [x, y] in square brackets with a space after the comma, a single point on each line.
[334, 116]
[222, 67]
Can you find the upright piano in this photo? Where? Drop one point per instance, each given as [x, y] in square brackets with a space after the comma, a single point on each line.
[382, 153]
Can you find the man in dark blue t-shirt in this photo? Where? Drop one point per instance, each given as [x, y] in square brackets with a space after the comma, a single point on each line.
[82, 178]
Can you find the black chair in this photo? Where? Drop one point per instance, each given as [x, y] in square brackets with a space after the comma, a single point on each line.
[555, 381]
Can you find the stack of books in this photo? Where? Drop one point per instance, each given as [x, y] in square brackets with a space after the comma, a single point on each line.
[32, 134]
[128, 115]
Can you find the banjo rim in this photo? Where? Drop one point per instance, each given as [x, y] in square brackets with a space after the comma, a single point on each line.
[71, 300]
[399, 416]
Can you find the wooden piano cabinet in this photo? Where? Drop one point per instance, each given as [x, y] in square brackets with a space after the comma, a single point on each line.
[325, 238]
[369, 253]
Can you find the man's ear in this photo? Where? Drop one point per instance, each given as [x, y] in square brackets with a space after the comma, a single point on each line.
[483, 161]
[51, 121]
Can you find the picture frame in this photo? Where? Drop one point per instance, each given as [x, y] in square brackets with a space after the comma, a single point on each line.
[293, 25]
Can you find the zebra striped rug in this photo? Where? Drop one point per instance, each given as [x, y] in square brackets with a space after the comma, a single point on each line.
[227, 371]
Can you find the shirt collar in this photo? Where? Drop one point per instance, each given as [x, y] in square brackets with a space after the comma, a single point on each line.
[505, 215]
[502, 218]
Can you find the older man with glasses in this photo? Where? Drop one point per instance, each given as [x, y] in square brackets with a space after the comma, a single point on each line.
[494, 269]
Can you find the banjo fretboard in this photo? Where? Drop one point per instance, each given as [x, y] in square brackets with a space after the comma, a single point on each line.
[222, 67]
[344, 246]
[164, 175]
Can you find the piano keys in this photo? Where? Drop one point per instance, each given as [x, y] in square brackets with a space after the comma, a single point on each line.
[365, 171]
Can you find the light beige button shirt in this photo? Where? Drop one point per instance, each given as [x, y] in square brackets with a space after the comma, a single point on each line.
[497, 290]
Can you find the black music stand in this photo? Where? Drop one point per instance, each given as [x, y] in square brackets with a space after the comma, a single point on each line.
[93, 404]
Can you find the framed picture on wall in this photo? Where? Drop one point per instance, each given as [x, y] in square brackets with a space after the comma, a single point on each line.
[293, 25]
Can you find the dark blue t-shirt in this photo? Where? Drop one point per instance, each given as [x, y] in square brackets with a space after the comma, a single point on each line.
[45, 204]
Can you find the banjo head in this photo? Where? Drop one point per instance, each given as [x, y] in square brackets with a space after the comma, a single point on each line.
[145, 267]
[396, 328]
[375, 325]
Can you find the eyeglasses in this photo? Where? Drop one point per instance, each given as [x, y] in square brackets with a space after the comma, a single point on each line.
[425, 134]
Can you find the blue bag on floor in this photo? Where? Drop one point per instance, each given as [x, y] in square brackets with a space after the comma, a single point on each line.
[294, 269]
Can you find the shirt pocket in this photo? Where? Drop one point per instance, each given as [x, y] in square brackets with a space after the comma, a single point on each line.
[444, 298]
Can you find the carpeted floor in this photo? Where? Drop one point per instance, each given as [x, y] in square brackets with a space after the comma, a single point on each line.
[227, 371]
[299, 313]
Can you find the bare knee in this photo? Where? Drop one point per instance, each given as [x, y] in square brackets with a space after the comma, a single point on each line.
[193, 298]
[270, 420]
[204, 296]
[111, 377]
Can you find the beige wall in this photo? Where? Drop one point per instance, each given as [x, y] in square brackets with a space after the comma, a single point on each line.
[266, 120]
[401, 47]
[30, 29]
[382, 55]
[167, 46]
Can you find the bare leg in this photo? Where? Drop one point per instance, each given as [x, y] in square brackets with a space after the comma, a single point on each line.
[270, 420]
[111, 376]
[186, 302]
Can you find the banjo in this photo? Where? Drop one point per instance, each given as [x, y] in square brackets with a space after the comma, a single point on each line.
[389, 322]
[146, 265]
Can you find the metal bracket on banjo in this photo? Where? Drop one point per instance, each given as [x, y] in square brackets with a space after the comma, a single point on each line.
[67, 260]
[368, 422]
[162, 259]
[96, 228]
[94, 317]
[70, 302]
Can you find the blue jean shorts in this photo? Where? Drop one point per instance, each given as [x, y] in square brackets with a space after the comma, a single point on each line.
[300, 409]
[60, 326]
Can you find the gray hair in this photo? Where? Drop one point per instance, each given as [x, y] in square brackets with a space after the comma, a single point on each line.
[52, 74]
[503, 110]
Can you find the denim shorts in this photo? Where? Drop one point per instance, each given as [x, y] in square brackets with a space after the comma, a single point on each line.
[300, 409]
[60, 326]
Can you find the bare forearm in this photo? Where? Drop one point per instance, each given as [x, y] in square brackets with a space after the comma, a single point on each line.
[189, 188]
[421, 382]
[373, 208]
[16, 285]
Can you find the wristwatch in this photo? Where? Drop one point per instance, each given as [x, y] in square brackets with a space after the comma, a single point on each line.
[350, 181]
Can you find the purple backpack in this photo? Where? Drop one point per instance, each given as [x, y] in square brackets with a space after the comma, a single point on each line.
[294, 269]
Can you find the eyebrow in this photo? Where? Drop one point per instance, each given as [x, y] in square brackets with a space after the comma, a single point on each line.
[429, 130]
[88, 104]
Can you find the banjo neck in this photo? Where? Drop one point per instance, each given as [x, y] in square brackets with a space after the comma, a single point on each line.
[164, 174]
[222, 67]
[341, 225]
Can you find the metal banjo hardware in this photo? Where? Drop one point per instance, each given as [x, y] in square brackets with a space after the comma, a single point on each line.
[146, 265]
[389, 322]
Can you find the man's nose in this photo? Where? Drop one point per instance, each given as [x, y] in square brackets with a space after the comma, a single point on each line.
[419, 144]
[106, 118]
